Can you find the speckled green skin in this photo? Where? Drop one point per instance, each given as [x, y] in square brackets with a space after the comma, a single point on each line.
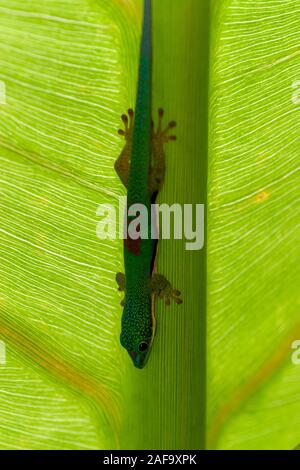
[137, 314]
[141, 168]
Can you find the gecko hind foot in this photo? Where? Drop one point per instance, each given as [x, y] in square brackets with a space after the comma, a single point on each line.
[160, 135]
[164, 290]
[128, 125]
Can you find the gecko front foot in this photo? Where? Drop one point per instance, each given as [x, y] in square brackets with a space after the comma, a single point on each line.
[120, 278]
[163, 289]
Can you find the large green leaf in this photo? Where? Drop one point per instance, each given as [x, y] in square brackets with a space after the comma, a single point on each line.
[65, 72]
[253, 233]
[70, 69]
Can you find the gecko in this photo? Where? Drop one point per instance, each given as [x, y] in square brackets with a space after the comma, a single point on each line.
[141, 168]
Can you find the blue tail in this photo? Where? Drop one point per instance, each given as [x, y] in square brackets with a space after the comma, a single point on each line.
[138, 190]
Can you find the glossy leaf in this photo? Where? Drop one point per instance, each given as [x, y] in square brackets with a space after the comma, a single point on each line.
[253, 233]
[70, 70]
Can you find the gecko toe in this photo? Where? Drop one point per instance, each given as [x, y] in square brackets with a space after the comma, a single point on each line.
[128, 124]
[161, 135]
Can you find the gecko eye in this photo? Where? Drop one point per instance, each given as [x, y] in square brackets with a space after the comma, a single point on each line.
[143, 346]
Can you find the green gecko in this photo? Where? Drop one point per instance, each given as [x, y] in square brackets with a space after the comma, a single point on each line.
[141, 168]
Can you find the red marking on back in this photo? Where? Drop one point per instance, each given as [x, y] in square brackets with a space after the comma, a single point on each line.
[133, 246]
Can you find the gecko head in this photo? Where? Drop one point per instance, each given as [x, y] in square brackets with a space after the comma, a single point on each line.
[137, 333]
[138, 350]
[140, 354]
